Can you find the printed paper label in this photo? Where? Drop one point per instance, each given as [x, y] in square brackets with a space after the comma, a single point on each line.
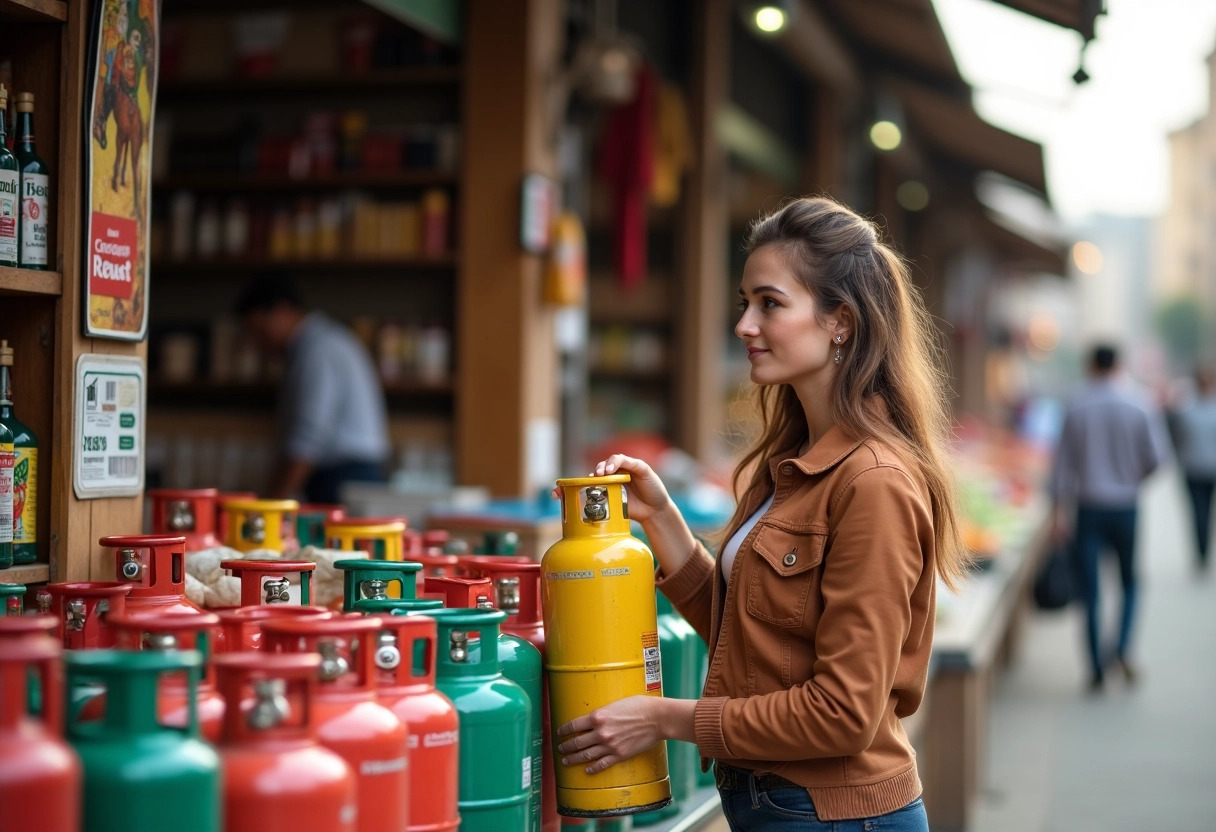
[654, 667]
[25, 495]
[10, 215]
[6, 493]
[35, 218]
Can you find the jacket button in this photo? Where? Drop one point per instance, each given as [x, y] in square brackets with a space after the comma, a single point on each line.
[790, 559]
[787, 469]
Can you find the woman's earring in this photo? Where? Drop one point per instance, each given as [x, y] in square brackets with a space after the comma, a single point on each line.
[838, 342]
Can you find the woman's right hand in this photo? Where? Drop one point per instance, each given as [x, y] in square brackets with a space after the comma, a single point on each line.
[647, 494]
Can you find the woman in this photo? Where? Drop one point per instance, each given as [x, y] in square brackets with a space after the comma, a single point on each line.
[819, 609]
[1195, 428]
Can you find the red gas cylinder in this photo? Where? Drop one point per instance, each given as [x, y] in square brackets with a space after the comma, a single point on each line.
[81, 608]
[433, 541]
[349, 720]
[221, 518]
[241, 628]
[169, 631]
[155, 567]
[190, 512]
[467, 565]
[39, 774]
[405, 661]
[516, 582]
[266, 582]
[461, 592]
[276, 776]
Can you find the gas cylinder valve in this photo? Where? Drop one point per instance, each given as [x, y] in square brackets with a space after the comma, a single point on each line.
[459, 646]
[43, 600]
[388, 657]
[596, 509]
[131, 567]
[181, 518]
[271, 707]
[333, 665]
[254, 528]
[507, 591]
[160, 641]
[74, 615]
[276, 591]
[375, 589]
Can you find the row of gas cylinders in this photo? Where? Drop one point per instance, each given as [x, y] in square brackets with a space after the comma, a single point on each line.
[387, 715]
[208, 518]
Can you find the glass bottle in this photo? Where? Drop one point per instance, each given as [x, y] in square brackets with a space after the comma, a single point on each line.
[10, 182]
[35, 189]
[25, 467]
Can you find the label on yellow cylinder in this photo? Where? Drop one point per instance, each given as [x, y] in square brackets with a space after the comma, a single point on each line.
[650, 654]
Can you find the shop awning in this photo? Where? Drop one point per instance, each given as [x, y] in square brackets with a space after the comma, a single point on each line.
[898, 34]
[1071, 14]
[1019, 250]
[953, 127]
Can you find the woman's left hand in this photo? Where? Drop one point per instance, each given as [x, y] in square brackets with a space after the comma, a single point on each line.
[610, 734]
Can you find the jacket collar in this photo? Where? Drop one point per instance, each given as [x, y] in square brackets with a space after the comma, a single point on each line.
[832, 447]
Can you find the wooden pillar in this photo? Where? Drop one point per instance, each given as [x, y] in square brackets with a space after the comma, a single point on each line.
[507, 402]
[77, 525]
[704, 256]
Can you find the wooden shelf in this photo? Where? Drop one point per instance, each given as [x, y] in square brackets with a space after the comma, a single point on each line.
[29, 281]
[239, 266]
[377, 81]
[339, 181]
[29, 573]
[627, 375]
[257, 395]
[34, 11]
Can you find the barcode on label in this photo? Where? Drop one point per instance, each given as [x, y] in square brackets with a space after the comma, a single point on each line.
[654, 667]
[111, 390]
[123, 466]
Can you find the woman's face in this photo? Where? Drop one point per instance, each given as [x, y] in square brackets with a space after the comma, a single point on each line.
[786, 343]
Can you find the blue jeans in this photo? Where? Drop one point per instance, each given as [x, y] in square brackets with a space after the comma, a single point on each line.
[1097, 529]
[790, 810]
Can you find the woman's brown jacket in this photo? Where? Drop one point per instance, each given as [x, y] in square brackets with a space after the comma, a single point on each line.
[820, 644]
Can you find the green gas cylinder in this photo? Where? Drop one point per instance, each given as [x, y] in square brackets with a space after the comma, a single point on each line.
[13, 598]
[495, 721]
[139, 774]
[677, 655]
[376, 579]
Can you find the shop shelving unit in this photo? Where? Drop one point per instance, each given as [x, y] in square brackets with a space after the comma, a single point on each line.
[40, 315]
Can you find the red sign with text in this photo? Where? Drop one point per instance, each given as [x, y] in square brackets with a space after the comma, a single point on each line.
[112, 256]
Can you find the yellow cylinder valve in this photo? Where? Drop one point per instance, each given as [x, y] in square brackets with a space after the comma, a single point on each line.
[601, 641]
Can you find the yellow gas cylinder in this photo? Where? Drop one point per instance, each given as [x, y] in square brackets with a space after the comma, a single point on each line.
[381, 537]
[601, 641]
[261, 524]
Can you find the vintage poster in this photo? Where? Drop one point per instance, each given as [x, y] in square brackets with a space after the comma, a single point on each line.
[118, 164]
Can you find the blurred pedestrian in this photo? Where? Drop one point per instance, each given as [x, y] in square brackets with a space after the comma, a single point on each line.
[332, 423]
[819, 607]
[1195, 438]
[1111, 441]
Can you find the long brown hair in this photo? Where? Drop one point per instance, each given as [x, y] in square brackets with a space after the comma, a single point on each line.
[892, 357]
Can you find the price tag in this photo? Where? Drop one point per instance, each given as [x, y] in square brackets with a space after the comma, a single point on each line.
[108, 444]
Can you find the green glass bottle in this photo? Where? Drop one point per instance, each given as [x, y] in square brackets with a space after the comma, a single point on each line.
[33, 235]
[10, 188]
[6, 497]
[25, 467]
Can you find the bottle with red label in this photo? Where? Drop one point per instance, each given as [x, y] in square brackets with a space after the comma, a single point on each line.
[6, 497]
[33, 234]
[25, 467]
[10, 190]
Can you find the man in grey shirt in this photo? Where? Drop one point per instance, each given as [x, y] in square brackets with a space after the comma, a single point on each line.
[1111, 441]
[331, 414]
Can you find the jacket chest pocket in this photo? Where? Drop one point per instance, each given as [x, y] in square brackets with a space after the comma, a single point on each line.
[781, 575]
